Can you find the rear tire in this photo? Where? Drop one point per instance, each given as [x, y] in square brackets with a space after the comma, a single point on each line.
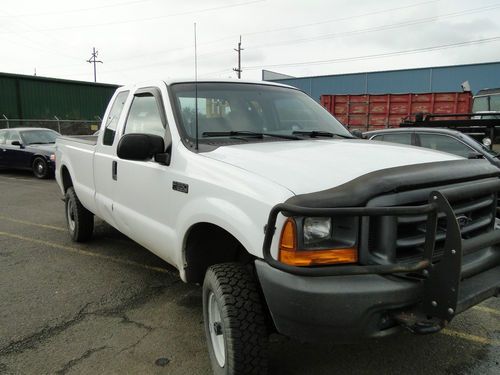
[234, 321]
[40, 168]
[80, 220]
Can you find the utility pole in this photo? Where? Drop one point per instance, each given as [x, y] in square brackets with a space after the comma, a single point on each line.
[93, 60]
[238, 69]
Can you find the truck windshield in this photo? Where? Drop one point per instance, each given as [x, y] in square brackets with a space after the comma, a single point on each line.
[242, 110]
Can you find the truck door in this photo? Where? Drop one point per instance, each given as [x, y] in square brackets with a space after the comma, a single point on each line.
[142, 200]
[105, 158]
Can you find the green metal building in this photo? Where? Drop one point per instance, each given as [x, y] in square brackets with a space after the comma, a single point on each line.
[31, 97]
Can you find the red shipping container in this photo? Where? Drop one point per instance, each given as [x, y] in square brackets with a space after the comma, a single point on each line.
[370, 112]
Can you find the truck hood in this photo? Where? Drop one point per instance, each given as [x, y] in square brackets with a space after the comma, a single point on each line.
[313, 165]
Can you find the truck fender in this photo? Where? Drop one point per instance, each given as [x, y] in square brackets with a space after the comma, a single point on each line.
[223, 214]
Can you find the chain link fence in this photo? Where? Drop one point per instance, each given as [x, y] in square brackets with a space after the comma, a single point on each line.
[64, 127]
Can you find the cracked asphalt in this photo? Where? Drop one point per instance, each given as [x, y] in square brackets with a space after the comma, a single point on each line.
[111, 307]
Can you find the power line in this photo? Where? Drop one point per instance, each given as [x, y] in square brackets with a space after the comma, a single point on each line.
[340, 19]
[379, 55]
[358, 31]
[331, 36]
[109, 23]
[413, 22]
[93, 60]
[78, 10]
[267, 31]
[387, 10]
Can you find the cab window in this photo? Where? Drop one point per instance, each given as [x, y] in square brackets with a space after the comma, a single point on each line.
[113, 118]
[444, 143]
[144, 116]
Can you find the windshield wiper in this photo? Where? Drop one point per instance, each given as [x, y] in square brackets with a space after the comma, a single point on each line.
[234, 133]
[40, 143]
[321, 133]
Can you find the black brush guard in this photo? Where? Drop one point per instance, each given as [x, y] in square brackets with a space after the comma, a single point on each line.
[440, 300]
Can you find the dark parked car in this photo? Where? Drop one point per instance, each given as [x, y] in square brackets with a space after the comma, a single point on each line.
[30, 149]
[446, 140]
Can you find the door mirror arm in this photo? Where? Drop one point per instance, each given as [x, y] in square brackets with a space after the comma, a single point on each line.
[163, 158]
[475, 155]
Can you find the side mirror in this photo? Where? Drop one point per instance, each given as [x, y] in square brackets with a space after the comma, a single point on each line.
[17, 143]
[138, 146]
[357, 133]
[475, 155]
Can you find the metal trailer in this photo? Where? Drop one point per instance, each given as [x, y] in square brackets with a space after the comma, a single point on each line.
[372, 112]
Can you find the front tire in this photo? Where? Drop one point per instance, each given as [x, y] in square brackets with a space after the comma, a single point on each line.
[80, 220]
[234, 321]
[40, 168]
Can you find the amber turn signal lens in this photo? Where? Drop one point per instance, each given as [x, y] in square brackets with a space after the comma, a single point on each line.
[288, 253]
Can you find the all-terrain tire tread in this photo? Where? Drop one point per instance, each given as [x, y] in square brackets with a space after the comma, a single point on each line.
[241, 304]
[84, 218]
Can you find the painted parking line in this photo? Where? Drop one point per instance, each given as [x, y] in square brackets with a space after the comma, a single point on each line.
[487, 310]
[473, 338]
[61, 229]
[86, 253]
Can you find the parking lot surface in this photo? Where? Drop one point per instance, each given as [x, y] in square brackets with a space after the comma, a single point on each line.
[111, 307]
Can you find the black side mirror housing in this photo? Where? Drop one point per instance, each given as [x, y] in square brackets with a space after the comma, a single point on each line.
[475, 155]
[17, 143]
[357, 133]
[138, 146]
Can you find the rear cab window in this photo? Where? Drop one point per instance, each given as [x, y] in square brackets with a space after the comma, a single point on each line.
[113, 118]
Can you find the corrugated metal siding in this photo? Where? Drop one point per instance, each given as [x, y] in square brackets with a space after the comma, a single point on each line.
[29, 97]
[421, 80]
[8, 98]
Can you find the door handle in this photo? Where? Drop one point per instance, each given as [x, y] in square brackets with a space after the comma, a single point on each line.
[114, 170]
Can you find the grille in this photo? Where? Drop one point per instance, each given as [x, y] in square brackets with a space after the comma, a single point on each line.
[403, 238]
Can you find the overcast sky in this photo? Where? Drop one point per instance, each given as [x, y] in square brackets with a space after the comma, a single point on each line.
[146, 39]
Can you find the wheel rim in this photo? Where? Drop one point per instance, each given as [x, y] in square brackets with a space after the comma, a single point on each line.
[39, 168]
[71, 215]
[216, 331]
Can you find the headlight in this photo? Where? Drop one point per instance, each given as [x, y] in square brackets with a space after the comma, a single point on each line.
[487, 142]
[314, 241]
[317, 229]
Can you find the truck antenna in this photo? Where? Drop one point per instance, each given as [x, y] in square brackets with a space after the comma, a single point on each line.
[196, 87]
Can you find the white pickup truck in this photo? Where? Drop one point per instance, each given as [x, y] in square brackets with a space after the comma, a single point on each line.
[291, 224]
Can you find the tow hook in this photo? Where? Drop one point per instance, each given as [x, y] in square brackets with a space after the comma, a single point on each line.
[417, 323]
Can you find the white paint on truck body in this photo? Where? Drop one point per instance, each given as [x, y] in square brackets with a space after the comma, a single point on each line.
[233, 187]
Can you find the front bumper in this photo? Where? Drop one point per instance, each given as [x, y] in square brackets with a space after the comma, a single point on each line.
[350, 308]
[345, 303]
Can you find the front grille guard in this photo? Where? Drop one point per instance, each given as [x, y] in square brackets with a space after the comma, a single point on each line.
[441, 279]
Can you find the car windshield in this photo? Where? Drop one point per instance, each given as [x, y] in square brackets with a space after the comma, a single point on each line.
[252, 112]
[31, 137]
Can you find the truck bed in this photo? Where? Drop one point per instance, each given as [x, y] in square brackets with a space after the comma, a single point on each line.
[88, 139]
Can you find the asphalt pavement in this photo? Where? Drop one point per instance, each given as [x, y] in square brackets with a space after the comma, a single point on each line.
[111, 307]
